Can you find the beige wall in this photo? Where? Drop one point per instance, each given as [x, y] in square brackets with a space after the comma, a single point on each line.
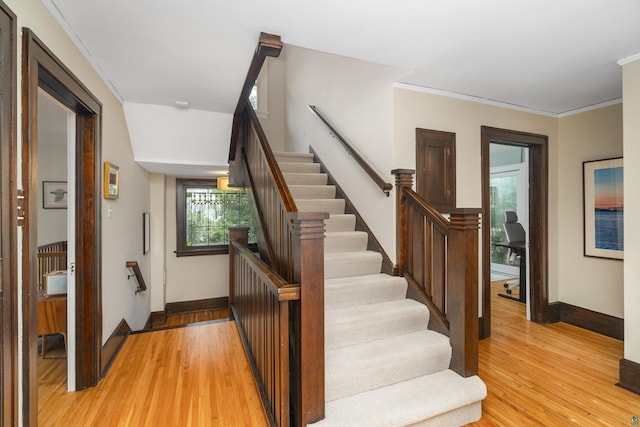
[122, 232]
[418, 109]
[592, 283]
[191, 277]
[273, 74]
[631, 135]
[357, 97]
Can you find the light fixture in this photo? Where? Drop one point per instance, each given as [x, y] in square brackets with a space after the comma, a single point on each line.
[222, 183]
[183, 104]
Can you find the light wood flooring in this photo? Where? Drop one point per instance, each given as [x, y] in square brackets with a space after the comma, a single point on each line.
[536, 375]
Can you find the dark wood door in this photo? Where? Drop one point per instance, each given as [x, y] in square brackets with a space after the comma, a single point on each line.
[436, 168]
[8, 285]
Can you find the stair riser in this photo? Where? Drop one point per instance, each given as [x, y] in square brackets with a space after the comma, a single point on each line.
[340, 223]
[332, 206]
[353, 295]
[351, 326]
[299, 167]
[294, 157]
[346, 266]
[349, 243]
[313, 191]
[305, 178]
[373, 366]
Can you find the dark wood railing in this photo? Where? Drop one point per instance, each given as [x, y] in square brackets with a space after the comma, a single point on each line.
[439, 258]
[261, 304]
[293, 245]
[386, 187]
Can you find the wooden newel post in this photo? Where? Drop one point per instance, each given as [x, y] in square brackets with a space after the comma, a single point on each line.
[308, 271]
[404, 179]
[241, 236]
[462, 311]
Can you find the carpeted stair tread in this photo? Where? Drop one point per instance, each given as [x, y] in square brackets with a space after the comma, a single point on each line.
[440, 399]
[359, 368]
[343, 222]
[313, 191]
[370, 322]
[345, 292]
[295, 178]
[282, 156]
[333, 206]
[349, 264]
[299, 167]
[345, 241]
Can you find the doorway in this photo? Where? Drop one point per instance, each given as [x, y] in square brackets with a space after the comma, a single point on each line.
[56, 244]
[8, 222]
[43, 71]
[537, 253]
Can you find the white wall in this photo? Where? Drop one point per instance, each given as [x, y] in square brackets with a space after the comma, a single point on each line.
[190, 278]
[122, 233]
[357, 98]
[592, 283]
[631, 135]
[168, 135]
[52, 166]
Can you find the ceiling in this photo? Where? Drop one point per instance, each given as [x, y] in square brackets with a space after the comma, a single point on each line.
[550, 56]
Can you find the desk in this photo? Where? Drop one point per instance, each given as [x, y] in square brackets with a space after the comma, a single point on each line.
[521, 251]
[52, 317]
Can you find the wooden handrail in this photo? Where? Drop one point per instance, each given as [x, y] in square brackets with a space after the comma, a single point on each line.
[439, 258]
[268, 45]
[292, 244]
[133, 266]
[386, 187]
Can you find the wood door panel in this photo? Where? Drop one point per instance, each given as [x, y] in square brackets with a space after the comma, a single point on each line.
[436, 168]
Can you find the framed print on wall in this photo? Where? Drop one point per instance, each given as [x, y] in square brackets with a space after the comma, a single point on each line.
[111, 181]
[603, 208]
[54, 194]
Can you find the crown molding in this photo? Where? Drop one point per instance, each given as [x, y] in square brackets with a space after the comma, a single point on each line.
[628, 59]
[60, 19]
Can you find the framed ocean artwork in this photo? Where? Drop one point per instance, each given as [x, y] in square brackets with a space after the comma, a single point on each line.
[603, 208]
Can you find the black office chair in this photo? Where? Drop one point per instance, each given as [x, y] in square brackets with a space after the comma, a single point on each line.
[515, 233]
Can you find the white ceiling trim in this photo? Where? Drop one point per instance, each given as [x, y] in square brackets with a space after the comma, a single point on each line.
[471, 98]
[590, 107]
[505, 104]
[629, 59]
[59, 17]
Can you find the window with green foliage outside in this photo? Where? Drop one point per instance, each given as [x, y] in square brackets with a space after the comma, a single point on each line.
[204, 215]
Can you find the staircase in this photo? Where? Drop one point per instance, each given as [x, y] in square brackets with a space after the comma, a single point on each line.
[383, 366]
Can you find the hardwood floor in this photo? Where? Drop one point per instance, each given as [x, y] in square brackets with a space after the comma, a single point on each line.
[536, 375]
[550, 375]
[192, 376]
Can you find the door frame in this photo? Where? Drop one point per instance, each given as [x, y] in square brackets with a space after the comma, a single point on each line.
[8, 221]
[538, 286]
[42, 69]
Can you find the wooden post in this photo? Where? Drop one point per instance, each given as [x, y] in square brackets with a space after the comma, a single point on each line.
[404, 179]
[240, 235]
[307, 249]
[462, 290]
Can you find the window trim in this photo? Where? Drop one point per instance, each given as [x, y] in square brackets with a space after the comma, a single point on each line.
[181, 225]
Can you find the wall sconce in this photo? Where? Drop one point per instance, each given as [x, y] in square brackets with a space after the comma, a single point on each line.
[222, 183]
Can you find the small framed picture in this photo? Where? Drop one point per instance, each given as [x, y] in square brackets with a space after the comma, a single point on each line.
[603, 208]
[146, 233]
[111, 181]
[54, 194]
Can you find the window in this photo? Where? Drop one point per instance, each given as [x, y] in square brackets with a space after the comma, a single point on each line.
[204, 214]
